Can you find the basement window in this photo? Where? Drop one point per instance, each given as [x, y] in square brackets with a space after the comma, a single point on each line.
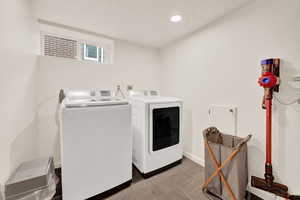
[94, 53]
[79, 49]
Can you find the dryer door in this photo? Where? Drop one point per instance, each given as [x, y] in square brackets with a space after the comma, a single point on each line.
[164, 126]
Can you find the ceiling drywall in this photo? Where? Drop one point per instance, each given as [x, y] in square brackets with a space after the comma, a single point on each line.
[141, 21]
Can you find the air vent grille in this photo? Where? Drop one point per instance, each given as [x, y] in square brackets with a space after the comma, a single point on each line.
[60, 47]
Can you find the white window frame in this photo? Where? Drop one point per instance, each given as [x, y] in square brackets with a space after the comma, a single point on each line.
[102, 55]
[85, 57]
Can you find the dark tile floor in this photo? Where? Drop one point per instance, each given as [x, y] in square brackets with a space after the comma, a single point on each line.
[182, 182]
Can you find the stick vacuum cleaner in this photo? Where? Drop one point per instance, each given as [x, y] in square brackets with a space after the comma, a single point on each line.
[270, 81]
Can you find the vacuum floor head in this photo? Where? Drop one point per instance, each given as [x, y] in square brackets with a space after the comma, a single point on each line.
[275, 188]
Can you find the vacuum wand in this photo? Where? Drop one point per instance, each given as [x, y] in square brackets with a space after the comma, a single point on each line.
[269, 171]
[268, 103]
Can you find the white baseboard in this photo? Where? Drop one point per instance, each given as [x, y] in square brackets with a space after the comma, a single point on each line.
[194, 158]
[262, 194]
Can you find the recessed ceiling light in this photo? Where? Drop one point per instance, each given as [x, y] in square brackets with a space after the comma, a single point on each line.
[176, 18]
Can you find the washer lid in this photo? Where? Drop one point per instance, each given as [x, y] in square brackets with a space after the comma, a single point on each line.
[91, 102]
[78, 94]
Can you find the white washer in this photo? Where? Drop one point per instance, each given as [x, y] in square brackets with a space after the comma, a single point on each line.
[96, 144]
[157, 138]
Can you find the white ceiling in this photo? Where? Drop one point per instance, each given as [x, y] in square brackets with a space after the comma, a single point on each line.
[141, 21]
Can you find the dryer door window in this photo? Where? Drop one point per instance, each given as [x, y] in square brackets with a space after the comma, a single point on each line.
[165, 127]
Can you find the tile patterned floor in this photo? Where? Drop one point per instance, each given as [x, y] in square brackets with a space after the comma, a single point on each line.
[182, 182]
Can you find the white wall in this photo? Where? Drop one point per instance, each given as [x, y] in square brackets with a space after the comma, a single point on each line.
[18, 39]
[220, 64]
[134, 65]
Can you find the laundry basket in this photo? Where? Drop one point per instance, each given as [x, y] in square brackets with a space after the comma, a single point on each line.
[226, 167]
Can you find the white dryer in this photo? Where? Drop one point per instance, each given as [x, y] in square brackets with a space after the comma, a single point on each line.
[96, 144]
[157, 132]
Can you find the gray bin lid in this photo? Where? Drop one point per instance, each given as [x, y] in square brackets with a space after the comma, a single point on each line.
[29, 177]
